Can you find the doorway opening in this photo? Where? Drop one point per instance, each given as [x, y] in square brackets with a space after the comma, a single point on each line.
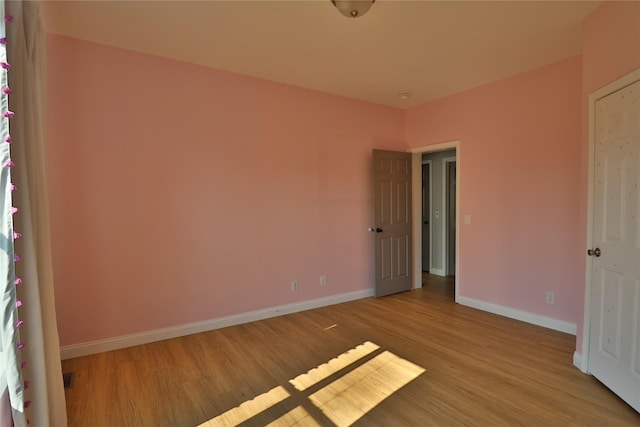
[436, 215]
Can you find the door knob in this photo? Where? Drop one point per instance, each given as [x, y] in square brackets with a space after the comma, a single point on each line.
[375, 230]
[594, 252]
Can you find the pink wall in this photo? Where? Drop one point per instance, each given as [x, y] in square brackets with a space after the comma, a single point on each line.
[610, 50]
[520, 175]
[610, 43]
[181, 193]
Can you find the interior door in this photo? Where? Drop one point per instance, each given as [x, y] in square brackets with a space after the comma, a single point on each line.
[614, 334]
[392, 201]
[451, 218]
[426, 217]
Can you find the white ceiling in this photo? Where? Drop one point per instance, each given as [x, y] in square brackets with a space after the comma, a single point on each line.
[430, 49]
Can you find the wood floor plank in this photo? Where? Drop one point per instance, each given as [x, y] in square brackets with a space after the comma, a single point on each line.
[438, 364]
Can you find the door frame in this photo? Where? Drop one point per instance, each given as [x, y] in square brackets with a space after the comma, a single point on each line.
[582, 361]
[416, 202]
[430, 163]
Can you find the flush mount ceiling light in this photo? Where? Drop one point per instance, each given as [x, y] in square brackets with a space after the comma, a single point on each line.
[353, 8]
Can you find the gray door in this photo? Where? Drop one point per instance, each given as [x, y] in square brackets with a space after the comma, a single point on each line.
[392, 201]
[451, 218]
[426, 217]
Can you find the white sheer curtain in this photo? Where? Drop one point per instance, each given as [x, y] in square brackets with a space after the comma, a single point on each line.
[10, 374]
[26, 52]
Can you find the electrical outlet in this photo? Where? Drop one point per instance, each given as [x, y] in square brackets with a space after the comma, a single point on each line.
[294, 285]
[550, 297]
[323, 280]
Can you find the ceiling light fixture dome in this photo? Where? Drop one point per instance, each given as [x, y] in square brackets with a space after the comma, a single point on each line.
[353, 8]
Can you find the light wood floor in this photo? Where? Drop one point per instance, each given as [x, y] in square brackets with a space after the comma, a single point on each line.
[479, 370]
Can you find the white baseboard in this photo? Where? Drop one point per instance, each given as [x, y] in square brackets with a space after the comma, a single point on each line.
[437, 271]
[546, 322]
[99, 346]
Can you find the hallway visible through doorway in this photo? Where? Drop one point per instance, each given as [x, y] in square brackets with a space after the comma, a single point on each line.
[438, 287]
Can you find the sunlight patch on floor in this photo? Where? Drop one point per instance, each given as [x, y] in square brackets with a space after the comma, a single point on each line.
[249, 409]
[315, 375]
[298, 416]
[351, 396]
[341, 401]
